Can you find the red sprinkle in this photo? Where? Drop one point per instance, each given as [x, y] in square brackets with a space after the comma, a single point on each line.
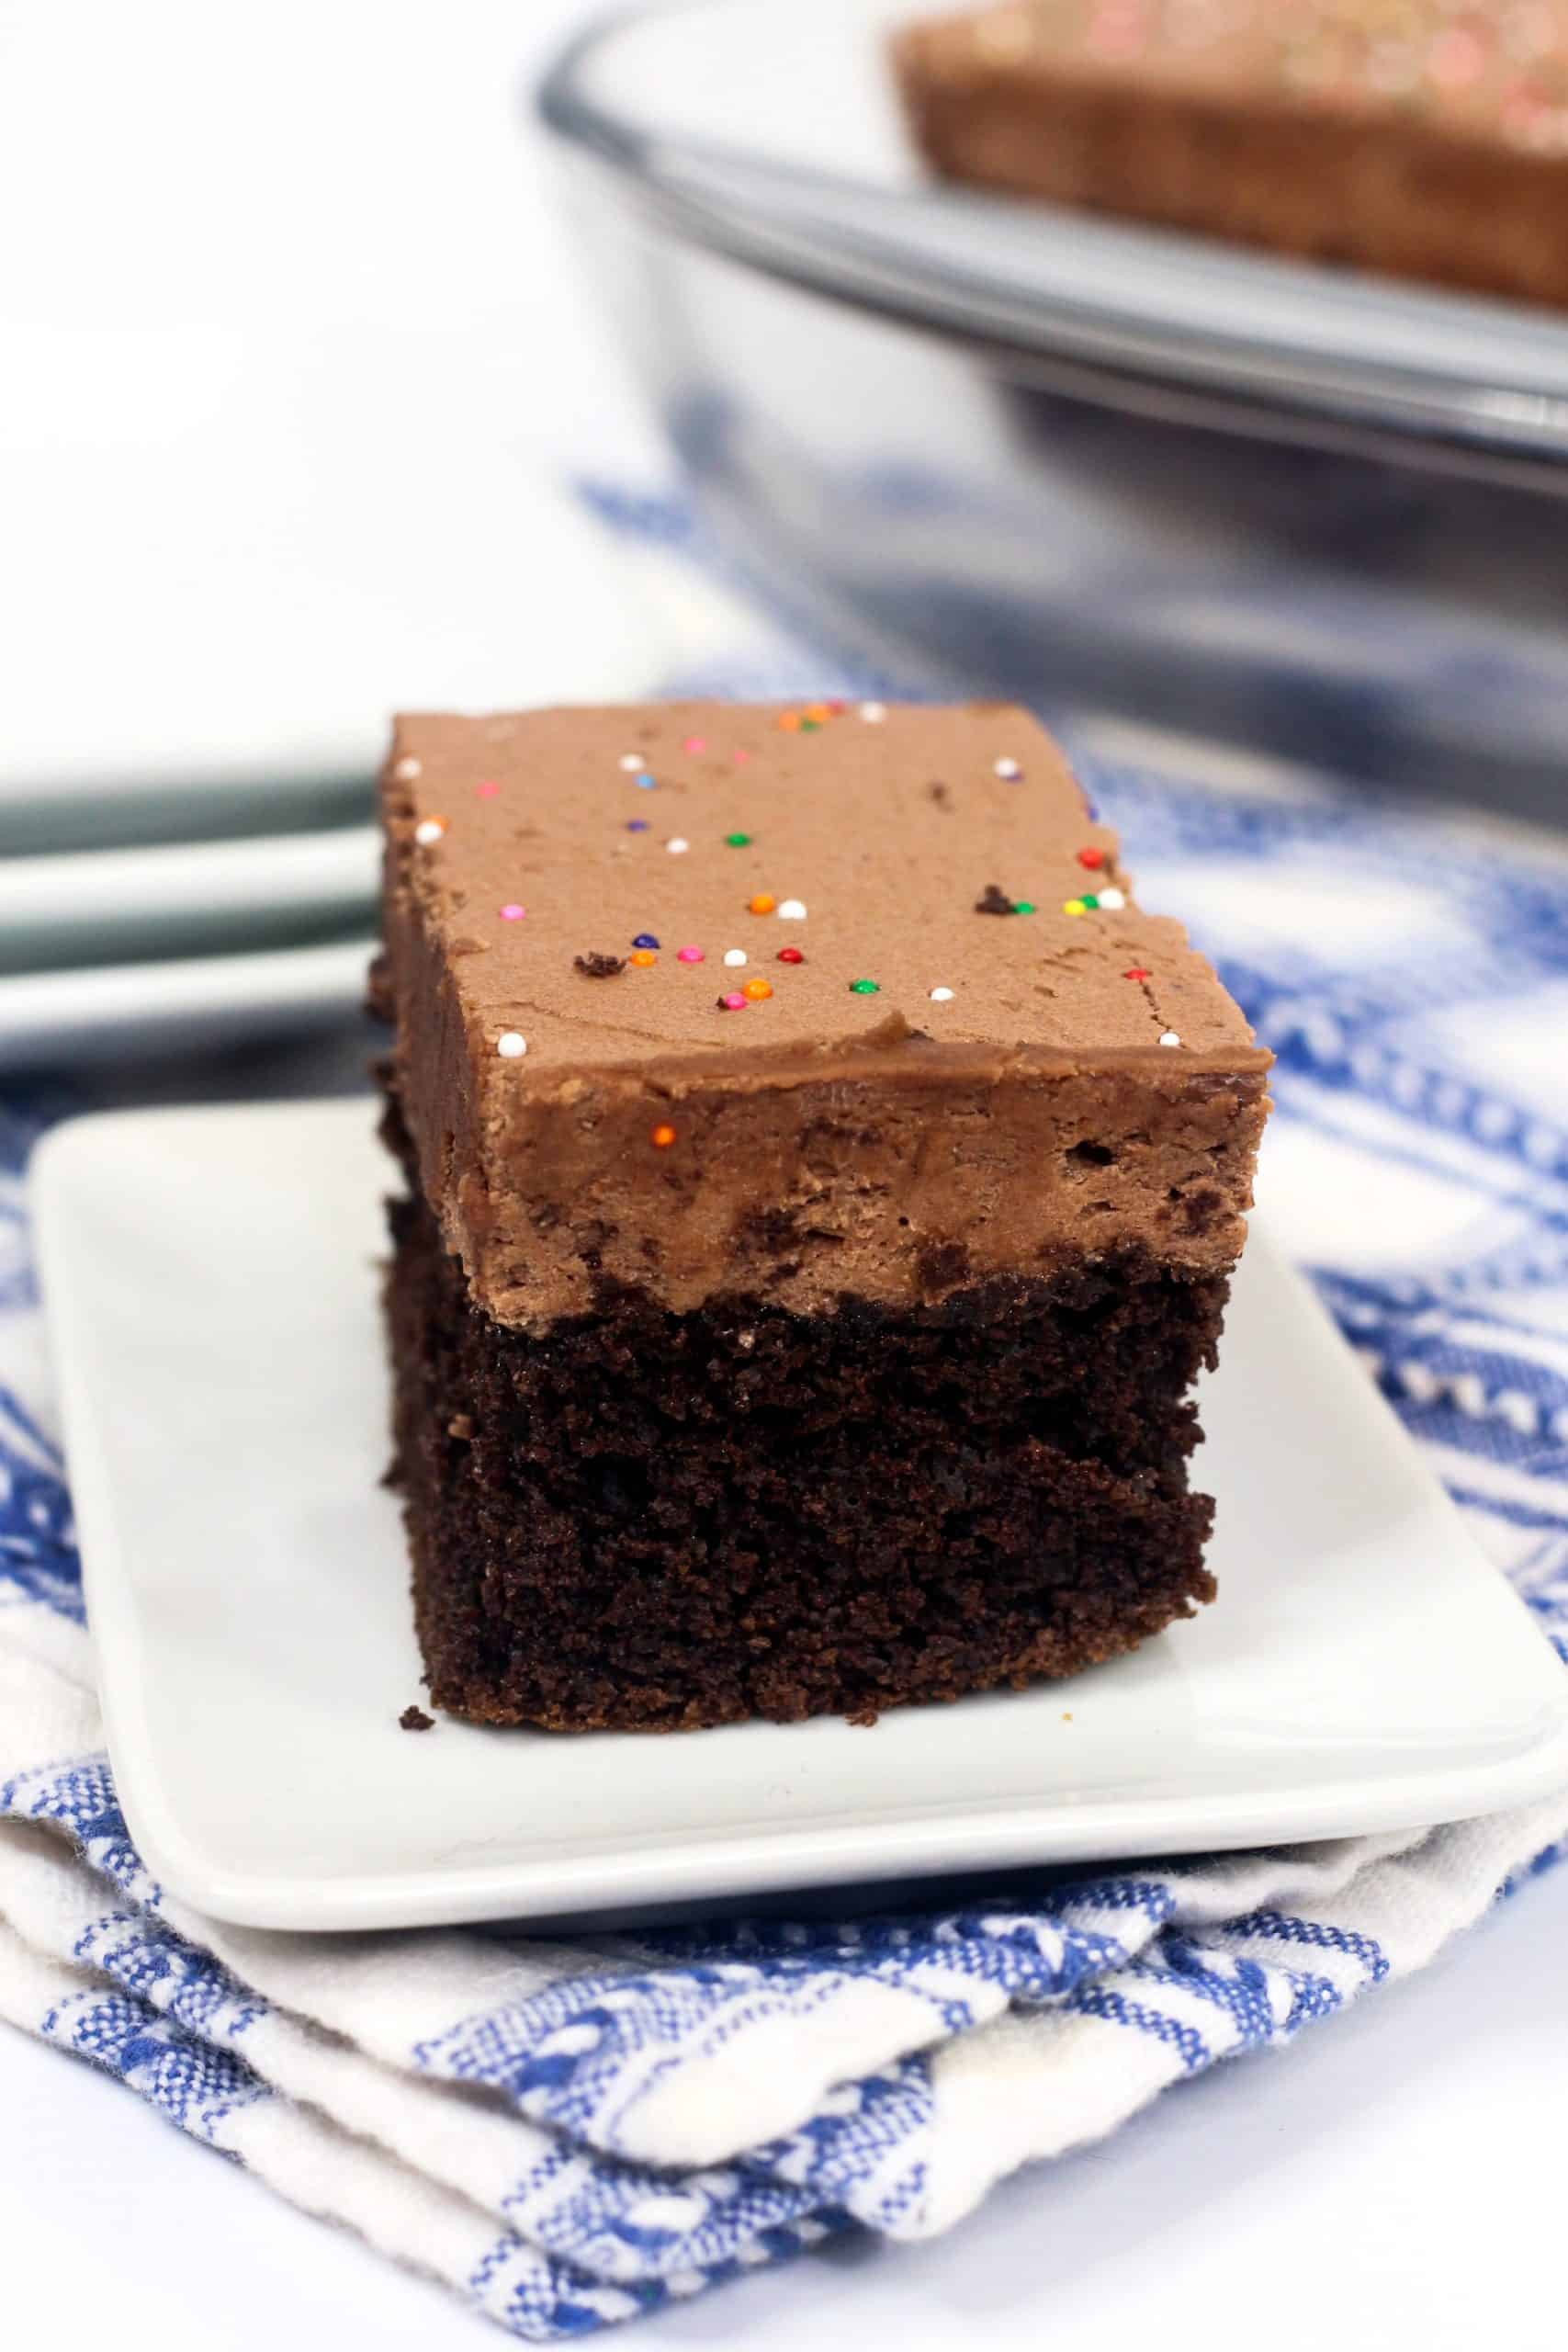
[791, 955]
[1138, 973]
[1091, 858]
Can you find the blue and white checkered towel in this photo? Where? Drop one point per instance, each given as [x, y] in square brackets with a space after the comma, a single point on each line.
[665, 2112]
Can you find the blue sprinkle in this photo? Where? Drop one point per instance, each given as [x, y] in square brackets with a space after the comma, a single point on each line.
[636, 824]
[645, 939]
[645, 783]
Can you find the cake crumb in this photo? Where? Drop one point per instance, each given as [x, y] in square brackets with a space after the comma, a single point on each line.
[596, 966]
[415, 1719]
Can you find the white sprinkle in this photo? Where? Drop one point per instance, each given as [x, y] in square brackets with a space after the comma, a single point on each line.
[874, 713]
[942, 996]
[1009, 770]
[679, 846]
[407, 770]
[1114, 900]
[734, 955]
[1170, 1038]
[429, 830]
[792, 911]
[632, 762]
[512, 1045]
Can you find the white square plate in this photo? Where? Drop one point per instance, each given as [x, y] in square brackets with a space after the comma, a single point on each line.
[211, 1284]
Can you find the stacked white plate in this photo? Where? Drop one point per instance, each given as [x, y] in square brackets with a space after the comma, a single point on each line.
[107, 950]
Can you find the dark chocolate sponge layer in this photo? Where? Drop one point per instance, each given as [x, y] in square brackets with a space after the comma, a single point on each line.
[661, 1520]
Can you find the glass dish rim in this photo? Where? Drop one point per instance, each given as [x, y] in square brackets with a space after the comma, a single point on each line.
[872, 249]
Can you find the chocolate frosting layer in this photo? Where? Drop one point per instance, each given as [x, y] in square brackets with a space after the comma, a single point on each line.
[588, 1105]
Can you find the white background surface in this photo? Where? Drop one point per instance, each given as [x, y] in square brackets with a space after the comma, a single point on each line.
[323, 205]
[290, 362]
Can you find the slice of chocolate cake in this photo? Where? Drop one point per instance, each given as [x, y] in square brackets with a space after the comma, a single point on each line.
[1418, 137]
[823, 1182]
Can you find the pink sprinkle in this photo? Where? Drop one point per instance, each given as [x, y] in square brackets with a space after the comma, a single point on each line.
[694, 743]
[1455, 57]
[734, 1002]
[486, 791]
[688, 955]
[1114, 32]
[513, 913]
[741, 758]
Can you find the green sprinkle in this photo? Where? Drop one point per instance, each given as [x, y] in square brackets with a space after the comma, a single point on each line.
[809, 726]
[864, 987]
[1023, 907]
[1088, 899]
[738, 841]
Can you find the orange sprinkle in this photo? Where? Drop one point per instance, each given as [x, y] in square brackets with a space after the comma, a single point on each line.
[661, 1138]
[790, 721]
[761, 904]
[642, 955]
[819, 711]
[757, 990]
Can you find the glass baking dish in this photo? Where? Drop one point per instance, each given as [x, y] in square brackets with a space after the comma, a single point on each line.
[1005, 449]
